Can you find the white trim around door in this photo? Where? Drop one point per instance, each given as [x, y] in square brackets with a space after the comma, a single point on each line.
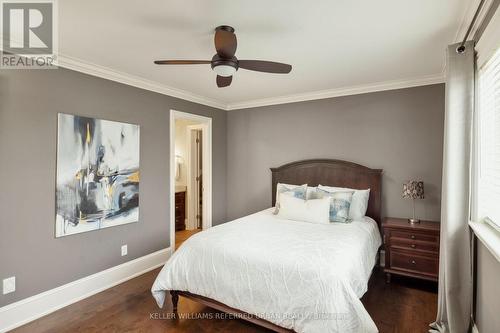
[206, 124]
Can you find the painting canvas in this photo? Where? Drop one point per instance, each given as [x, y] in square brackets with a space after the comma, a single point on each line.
[97, 174]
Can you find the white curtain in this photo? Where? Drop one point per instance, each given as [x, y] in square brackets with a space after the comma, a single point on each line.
[455, 272]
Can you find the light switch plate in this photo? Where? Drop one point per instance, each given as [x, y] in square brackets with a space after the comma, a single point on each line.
[9, 285]
[124, 250]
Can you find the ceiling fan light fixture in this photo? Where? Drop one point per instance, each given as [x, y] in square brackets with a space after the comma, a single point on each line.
[224, 70]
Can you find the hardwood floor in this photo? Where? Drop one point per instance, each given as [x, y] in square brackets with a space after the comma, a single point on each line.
[404, 305]
[182, 235]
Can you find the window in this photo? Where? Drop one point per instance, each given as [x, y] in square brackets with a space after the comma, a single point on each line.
[488, 144]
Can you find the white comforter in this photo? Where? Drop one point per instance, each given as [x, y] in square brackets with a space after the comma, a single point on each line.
[302, 276]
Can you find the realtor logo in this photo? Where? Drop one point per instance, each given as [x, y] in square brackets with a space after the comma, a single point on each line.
[28, 30]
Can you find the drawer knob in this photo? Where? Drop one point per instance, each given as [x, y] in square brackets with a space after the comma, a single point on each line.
[412, 236]
[413, 246]
[413, 262]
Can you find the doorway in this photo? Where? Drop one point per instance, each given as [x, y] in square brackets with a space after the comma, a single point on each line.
[190, 175]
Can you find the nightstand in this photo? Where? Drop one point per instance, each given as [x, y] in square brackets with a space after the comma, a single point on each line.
[411, 249]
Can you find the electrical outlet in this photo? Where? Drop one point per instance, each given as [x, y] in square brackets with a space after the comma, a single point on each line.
[124, 250]
[9, 285]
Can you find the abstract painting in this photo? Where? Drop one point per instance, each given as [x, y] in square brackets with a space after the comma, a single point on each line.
[97, 174]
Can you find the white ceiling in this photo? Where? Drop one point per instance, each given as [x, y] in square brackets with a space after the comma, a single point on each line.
[332, 45]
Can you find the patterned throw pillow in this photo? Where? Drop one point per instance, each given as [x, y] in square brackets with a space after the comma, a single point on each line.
[339, 205]
[297, 191]
[359, 203]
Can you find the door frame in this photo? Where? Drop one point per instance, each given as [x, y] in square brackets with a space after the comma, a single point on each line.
[207, 170]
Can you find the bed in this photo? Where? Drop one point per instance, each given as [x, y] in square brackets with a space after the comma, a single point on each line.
[287, 276]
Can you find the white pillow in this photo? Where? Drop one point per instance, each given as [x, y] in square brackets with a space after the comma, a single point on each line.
[298, 191]
[313, 211]
[359, 203]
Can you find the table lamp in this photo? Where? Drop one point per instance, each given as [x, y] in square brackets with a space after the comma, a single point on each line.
[413, 189]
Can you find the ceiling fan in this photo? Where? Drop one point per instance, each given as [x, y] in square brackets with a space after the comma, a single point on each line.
[225, 64]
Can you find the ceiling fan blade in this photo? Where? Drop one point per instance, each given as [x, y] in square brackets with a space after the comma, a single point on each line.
[225, 43]
[224, 81]
[265, 66]
[181, 62]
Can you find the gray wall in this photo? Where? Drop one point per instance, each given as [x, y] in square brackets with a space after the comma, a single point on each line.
[488, 291]
[399, 131]
[29, 103]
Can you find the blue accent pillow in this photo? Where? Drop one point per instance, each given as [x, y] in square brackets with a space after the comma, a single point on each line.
[340, 203]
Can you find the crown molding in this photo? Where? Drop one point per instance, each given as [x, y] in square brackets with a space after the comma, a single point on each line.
[139, 82]
[329, 93]
[132, 80]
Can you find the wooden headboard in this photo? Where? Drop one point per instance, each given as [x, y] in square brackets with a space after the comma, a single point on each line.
[333, 173]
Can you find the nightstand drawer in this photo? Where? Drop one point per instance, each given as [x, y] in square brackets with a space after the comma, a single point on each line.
[414, 236]
[414, 263]
[410, 244]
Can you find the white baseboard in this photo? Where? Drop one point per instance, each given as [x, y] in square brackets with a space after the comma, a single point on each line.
[34, 307]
